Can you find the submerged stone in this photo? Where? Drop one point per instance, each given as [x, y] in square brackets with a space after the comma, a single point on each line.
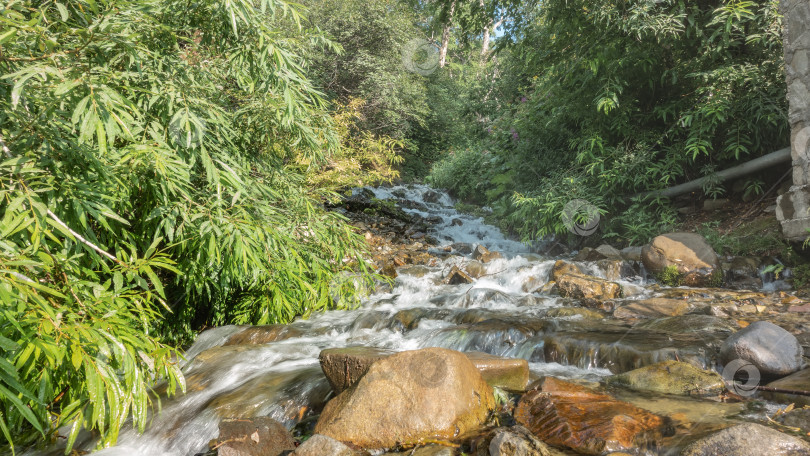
[799, 381]
[749, 439]
[565, 414]
[518, 441]
[671, 377]
[255, 335]
[652, 308]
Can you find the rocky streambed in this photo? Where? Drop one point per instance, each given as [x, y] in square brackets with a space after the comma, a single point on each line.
[482, 347]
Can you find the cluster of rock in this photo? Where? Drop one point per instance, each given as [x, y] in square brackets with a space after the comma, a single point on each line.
[435, 401]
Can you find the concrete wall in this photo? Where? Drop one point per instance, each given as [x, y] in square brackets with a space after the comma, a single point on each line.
[793, 208]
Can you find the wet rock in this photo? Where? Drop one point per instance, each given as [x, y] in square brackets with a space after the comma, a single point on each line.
[321, 445]
[589, 254]
[771, 349]
[518, 441]
[561, 268]
[255, 396]
[260, 436]
[693, 257]
[485, 256]
[621, 349]
[418, 271]
[749, 439]
[457, 277]
[616, 269]
[511, 374]
[431, 196]
[686, 324]
[592, 291]
[609, 252]
[408, 319]
[344, 367]
[743, 268]
[475, 269]
[257, 335]
[796, 418]
[799, 381]
[671, 377]
[584, 312]
[389, 269]
[456, 222]
[561, 413]
[429, 450]
[533, 284]
[632, 253]
[462, 248]
[652, 308]
[411, 396]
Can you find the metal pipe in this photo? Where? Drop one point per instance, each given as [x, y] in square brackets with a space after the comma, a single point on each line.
[765, 161]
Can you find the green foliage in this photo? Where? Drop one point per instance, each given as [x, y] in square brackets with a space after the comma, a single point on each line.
[463, 173]
[670, 276]
[362, 159]
[368, 64]
[761, 236]
[801, 276]
[628, 98]
[152, 184]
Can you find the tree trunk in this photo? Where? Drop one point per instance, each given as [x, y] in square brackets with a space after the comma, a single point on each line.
[446, 35]
[490, 27]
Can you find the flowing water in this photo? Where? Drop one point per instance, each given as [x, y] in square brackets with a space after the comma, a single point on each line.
[495, 314]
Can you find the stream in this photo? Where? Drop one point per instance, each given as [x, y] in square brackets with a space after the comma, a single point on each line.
[498, 313]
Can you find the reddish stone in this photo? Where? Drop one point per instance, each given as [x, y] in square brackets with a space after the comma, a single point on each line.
[565, 414]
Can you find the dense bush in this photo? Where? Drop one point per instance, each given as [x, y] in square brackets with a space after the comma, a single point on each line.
[153, 184]
[603, 101]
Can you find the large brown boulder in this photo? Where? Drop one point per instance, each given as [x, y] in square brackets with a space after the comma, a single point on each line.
[561, 413]
[410, 397]
[343, 367]
[260, 436]
[592, 291]
[695, 260]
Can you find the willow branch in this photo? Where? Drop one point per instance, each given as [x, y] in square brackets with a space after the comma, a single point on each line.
[64, 225]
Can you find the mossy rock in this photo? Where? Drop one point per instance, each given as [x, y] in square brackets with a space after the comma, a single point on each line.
[671, 377]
